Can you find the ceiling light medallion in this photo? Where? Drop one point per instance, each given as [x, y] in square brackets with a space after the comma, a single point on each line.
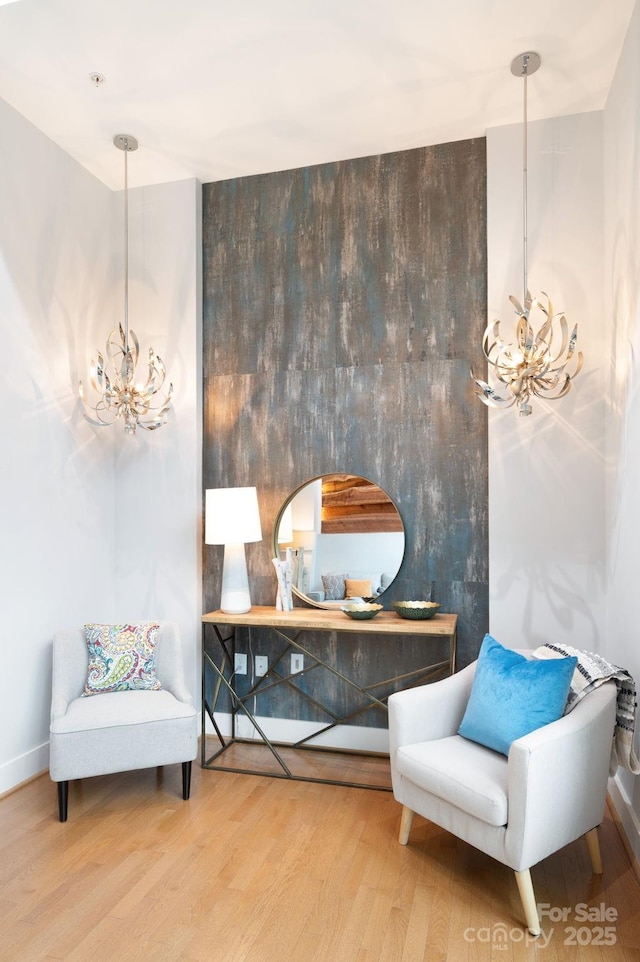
[140, 403]
[532, 364]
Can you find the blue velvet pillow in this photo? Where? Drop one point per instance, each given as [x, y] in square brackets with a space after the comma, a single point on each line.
[512, 696]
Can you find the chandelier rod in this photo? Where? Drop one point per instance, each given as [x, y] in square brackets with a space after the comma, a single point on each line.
[126, 251]
[126, 143]
[525, 174]
[522, 66]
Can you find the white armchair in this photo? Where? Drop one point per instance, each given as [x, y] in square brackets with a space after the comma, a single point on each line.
[549, 791]
[123, 730]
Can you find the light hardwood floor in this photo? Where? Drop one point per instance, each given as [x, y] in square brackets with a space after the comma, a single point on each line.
[256, 869]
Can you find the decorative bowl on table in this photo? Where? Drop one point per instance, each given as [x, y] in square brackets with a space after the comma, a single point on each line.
[361, 611]
[418, 610]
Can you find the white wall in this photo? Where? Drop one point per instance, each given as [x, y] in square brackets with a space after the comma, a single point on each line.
[56, 476]
[622, 319]
[94, 525]
[563, 504]
[158, 486]
[546, 471]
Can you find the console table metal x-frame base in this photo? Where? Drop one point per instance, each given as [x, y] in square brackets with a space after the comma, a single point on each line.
[289, 626]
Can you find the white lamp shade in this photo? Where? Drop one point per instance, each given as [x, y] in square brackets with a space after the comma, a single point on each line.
[231, 516]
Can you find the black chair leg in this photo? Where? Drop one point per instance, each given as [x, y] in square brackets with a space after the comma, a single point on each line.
[63, 800]
[186, 780]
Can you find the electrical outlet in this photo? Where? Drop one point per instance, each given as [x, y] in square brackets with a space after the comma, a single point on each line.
[297, 662]
[240, 664]
[262, 665]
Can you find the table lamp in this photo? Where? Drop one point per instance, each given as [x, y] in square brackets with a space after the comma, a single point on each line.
[232, 518]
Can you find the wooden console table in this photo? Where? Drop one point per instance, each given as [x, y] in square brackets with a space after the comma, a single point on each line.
[218, 660]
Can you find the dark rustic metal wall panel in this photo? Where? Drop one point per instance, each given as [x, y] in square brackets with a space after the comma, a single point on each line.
[343, 307]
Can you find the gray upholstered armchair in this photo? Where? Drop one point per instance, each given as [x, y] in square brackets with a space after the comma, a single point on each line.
[550, 790]
[121, 730]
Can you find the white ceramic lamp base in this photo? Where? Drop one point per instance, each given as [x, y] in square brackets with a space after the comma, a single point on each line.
[235, 598]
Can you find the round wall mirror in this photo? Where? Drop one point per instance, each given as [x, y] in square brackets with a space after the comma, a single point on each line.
[345, 538]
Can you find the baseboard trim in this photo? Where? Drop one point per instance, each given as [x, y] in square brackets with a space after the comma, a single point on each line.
[289, 731]
[626, 821]
[18, 771]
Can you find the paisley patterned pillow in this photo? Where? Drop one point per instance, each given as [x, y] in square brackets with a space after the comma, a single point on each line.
[121, 658]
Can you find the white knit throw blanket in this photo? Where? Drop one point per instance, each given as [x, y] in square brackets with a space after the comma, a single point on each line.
[592, 671]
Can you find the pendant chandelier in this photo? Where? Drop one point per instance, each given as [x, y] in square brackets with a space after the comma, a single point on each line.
[533, 364]
[139, 399]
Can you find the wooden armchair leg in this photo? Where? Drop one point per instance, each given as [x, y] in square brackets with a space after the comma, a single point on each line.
[405, 825]
[528, 899]
[593, 844]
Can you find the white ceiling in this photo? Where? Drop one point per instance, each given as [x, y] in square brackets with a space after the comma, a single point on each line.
[223, 88]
